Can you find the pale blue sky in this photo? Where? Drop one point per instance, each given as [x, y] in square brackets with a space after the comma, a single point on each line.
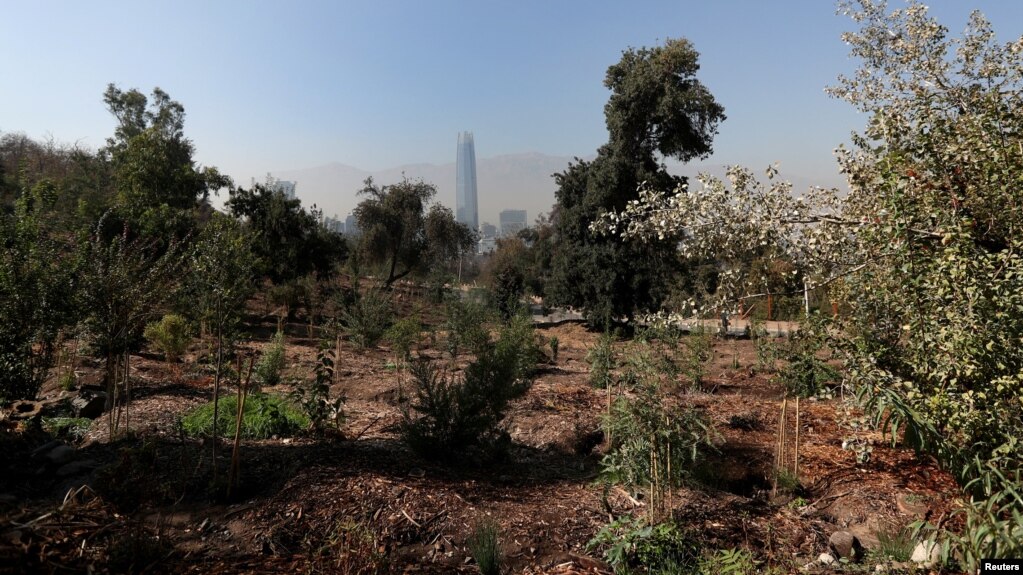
[271, 86]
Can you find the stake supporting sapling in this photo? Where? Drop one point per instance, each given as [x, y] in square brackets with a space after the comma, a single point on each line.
[243, 392]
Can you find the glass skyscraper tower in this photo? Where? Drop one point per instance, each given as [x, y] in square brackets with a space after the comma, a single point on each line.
[466, 205]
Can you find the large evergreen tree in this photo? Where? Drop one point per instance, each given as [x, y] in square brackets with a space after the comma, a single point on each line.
[657, 109]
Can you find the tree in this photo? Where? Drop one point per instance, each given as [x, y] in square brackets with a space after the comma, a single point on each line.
[288, 241]
[37, 292]
[657, 109]
[126, 280]
[924, 251]
[80, 179]
[157, 180]
[400, 236]
[219, 283]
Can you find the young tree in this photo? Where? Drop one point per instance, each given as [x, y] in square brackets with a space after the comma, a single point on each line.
[220, 280]
[126, 280]
[399, 234]
[657, 109]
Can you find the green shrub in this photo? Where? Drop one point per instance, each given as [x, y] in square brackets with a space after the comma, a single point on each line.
[403, 335]
[314, 397]
[517, 345]
[265, 416]
[729, 562]
[73, 428]
[651, 449]
[767, 350]
[447, 415]
[367, 316]
[630, 542]
[695, 354]
[509, 285]
[894, 543]
[485, 548]
[603, 361]
[554, 344]
[171, 335]
[466, 324]
[271, 363]
[67, 380]
[806, 375]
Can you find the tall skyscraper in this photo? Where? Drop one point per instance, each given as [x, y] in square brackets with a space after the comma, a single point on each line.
[466, 205]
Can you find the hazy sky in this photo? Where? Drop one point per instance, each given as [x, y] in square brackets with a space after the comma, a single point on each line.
[271, 86]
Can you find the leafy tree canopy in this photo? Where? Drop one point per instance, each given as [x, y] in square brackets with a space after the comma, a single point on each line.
[288, 240]
[401, 236]
[157, 180]
[657, 108]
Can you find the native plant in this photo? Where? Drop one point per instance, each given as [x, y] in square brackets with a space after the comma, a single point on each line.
[125, 281]
[467, 325]
[219, 282]
[651, 448]
[315, 399]
[37, 292]
[447, 414]
[403, 335]
[171, 335]
[603, 361]
[633, 542]
[264, 416]
[484, 546]
[271, 363]
[367, 316]
[806, 374]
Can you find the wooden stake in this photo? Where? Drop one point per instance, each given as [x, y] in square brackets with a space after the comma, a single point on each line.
[243, 392]
[796, 470]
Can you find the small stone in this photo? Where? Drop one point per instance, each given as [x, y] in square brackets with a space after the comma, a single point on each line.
[76, 467]
[926, 553]
[60, 455]
[845, 545]
[45, 448]
[88, 404]
[825, 559]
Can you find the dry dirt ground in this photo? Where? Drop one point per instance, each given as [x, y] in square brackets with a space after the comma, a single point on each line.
[356, 500]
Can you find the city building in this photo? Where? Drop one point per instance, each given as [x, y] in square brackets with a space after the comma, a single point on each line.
[333, 224]
[486, 245]
[512, 222]
[488, 230]
[466, 205]
[351, 226]
[285, 187]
